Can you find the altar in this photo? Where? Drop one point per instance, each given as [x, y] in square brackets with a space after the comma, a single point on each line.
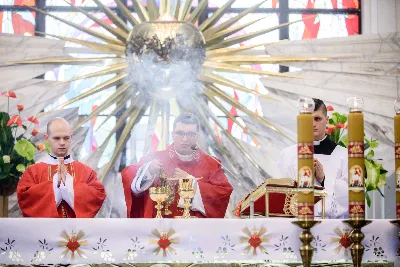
[178, 241]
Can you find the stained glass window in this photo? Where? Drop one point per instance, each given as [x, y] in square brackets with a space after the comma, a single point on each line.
[17, 22]
[324, 4]
[323, 26]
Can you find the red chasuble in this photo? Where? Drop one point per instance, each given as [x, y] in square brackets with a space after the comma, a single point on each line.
[214, 187]
[36, 194]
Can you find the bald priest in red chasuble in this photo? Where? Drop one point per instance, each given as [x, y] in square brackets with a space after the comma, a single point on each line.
[60, 187]
[181, 160]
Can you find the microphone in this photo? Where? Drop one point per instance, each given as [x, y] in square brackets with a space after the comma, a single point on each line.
[195, 147]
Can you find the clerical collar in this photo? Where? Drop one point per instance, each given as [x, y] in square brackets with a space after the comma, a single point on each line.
[54, 160]
[324, 146]
[185, 157]
[316, 143]
[65, 158]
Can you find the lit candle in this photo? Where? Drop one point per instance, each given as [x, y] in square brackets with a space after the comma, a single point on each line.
[356, 159]
[397, 154]
[305, 155]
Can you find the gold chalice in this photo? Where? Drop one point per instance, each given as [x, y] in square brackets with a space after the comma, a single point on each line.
[158, 194]
[169, 191]
[186, 190]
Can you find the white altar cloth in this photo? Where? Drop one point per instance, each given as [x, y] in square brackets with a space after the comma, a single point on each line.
[51, 241]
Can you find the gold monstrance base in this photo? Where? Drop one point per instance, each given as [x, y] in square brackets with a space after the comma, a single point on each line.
[306, 250]
[356, 236]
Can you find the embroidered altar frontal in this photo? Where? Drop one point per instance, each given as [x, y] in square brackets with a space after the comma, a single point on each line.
[70, 241]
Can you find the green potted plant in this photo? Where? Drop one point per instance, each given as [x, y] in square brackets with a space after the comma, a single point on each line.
[16, 149]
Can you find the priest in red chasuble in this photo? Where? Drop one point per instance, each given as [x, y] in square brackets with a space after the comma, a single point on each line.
[60, 187]
[181, 160]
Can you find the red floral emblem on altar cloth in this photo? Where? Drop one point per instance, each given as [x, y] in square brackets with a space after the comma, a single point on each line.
[72, 244]
[343, 240]
[254, 240]
[164, 240]
[305, 150]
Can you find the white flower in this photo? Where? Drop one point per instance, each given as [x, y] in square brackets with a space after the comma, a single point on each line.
[107, 256]
[15, 256]
[6, 159]
[130, 255]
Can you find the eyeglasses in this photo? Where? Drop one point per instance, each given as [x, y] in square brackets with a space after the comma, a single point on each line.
[189, 135]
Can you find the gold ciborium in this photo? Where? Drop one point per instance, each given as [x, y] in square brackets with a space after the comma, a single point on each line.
[158, 194]
[186, 190]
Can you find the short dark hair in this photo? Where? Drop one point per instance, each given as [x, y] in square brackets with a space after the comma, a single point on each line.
[187, 118]
[320, 105]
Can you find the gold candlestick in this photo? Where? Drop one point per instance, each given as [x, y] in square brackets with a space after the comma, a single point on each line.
[158, 194]
[356, 159]
[356, 236]
[186, 190]
[306, 250]
[397, 154]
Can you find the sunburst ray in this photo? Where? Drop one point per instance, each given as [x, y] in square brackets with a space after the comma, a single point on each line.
[121, 35]
[218, 79]
[114, 98]
[153, 9]
[113, 17]
[231, 21]
[216, 16]
[105, 85]
[126, 13]
[99, 35]
[126, 133]
[109, 70]
[220, 35]
[140, 10]
[244, 37]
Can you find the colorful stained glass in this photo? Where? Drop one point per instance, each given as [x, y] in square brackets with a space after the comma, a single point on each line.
[17, 22]
[324, 4]
[17, 2]
[323, 26]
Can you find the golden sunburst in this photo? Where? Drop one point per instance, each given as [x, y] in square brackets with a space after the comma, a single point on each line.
[343, 240]
[166, 23]
[255, 239]
[164, 241]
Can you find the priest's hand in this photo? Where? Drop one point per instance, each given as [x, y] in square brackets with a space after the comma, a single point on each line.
[62, 172]
[319, 171]
[155, 167]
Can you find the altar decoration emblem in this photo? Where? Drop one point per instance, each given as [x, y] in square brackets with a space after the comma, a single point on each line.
[164, 241]
[255, 240]
[343, 240]
[73, 244]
